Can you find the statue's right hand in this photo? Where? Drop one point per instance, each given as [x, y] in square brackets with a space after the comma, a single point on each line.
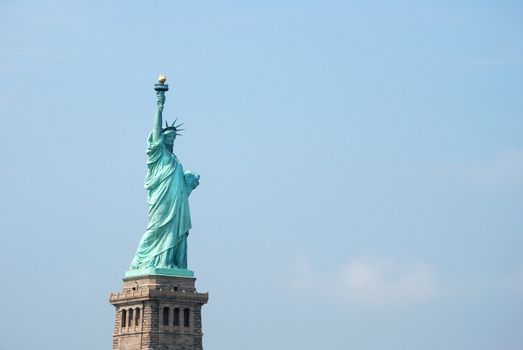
[160, 99]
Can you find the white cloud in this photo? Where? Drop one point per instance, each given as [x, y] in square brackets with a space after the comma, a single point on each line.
[366, 282]
[386, 283]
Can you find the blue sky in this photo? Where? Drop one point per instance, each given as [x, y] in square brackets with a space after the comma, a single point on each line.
[361, 168]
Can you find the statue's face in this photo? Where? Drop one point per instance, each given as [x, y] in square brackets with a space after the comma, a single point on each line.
[168, 139]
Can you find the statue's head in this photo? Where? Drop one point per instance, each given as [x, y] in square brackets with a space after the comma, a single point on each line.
[169, 134]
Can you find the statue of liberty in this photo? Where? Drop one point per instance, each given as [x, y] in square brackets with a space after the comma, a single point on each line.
[163, 247]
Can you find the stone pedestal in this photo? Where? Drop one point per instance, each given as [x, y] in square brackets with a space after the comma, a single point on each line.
[158, 313]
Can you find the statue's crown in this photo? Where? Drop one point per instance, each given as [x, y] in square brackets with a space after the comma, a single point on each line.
[172, 128]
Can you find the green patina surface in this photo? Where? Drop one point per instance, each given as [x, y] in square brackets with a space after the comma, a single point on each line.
[163, 247]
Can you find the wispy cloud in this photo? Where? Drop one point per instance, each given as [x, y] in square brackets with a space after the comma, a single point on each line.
[505, 170]
[370, 283]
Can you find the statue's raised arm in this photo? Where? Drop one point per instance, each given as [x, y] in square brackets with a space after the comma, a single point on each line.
[160, 101]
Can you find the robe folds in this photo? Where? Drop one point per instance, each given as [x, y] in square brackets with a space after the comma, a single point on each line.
[164, 243]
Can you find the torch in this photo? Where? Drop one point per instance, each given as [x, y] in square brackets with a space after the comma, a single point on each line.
[161, 87]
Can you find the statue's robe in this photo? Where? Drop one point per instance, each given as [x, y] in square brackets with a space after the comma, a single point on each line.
[164, 243]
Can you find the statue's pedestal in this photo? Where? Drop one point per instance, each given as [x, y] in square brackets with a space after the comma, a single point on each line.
[158, 312]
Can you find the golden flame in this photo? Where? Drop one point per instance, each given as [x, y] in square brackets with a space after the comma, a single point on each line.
[162, 78]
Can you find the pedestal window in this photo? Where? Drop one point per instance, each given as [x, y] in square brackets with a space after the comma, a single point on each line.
[137, 317]
[124, 318]
[186, 315]
[165, 316]
[176, 316]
